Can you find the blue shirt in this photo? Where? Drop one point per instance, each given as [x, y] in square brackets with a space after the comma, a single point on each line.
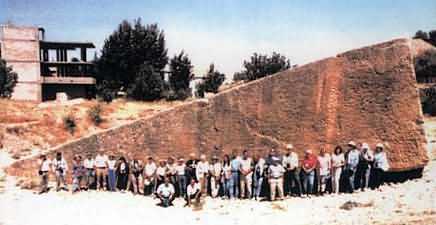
[353, 159]
[235, 164]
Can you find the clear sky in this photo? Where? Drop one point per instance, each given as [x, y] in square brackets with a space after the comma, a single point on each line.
[228, 31]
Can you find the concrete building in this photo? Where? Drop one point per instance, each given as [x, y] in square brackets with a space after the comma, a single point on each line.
[45, 68]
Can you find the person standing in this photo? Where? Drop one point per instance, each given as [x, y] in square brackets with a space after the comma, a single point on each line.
[338, 161]
[136, 180]
[259, 174]
[364, 167]
[191, 165]
[276, 172]
[150, 176]
[192, 193]
[101, 170]
[122, 174]
[60, 168]
[172, 173]
[202, 171]
[78, 173]
[44, 168]
[181, 177]
[235, 164]
[324, 166]
[90, 172]
[111, 164]
[215, 176]
[166, 193]
[381, 165]
[226, 176]
[292, 174]
[352, 161]
[161, 172]
[309, 164]
[246, 175]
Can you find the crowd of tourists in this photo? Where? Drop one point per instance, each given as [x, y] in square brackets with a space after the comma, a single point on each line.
[244, 176]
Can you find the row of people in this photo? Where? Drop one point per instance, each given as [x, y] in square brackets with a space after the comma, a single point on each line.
[232, 177]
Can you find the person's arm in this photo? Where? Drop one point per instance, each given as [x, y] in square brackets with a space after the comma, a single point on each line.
[66, 166]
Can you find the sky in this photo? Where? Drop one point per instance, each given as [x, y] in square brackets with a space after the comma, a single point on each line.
[225, 32]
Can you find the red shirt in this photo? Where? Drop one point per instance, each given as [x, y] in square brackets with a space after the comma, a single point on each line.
[310, 162]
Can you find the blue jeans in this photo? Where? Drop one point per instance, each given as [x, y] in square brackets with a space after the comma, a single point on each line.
[225, 183]
[308, 181]
[234, 185]
[351, 176]
[182, 184]
[111, 179]
[258, 180]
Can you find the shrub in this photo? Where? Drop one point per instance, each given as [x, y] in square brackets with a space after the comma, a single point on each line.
[94, 114]
[69, 123]
[8, 80]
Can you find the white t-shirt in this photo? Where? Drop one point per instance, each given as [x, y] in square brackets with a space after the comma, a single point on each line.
[227, 170]
[202, 168]
[324, 164]
[60, 164]
[291, 160]
[150, 169]
[338, 160]
[216, 169]
[100, 161]
[171, 168]
[190, 190]
[161, 171]
[45, 165]
[111, 164]
[246, 164]
[180, 169]
[166, 190]
[260, 166]
[89, 163]
[276, 171]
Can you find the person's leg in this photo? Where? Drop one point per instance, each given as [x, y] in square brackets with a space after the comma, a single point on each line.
[237, 179]
[280, 188]
[43, 183]
[98, 173]
[351, 180]
[242, 185]
[305, 181]
[231, 186]
[64, 183]
[311, 182]
[367, 177]
[296, 177]
[259, 186]
[249, 183]
[273, 188]
[58, 180]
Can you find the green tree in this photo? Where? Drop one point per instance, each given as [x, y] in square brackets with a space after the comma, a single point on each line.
[148, 84]
[180, 76]
[432, 37]
[124, 53]
[421, 35]
[262, 65]
[211, 83]
[8, 80]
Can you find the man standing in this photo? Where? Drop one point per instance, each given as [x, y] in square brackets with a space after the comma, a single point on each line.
[309, 164]
[235, 164]
[149, 176]
[89, 166]
[381, 165]
[191, 165]
[325, 166]
[246, 172]
[259, 174]
[276, 172]
[60, 168]
[202, 171]
[100, 168]
[181, 178]
[136, 178]
[193, 192]
[215, 176]
[364, 167]
[166, 193]
[351, 164]
[44, 168]
[292, 174]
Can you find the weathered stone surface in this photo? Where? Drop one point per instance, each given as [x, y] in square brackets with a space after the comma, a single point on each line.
[366, 95]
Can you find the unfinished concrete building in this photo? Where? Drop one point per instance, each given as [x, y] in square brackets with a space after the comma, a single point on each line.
[45, 68]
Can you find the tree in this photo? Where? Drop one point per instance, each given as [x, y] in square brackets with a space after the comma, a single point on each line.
[263, 65]
[421, 35]
[212, 81]
[148, 84]
[432, 37]
[8, 80]
[180, 76]
[126, 50]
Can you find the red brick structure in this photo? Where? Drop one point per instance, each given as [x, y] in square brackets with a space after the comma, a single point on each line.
[366, 95]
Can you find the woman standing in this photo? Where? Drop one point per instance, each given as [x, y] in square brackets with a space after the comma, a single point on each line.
[338, 161]
[381, 165]
[259, 174]
[111, 173]
[122, 174]
[136, 176]
[78, 173]
[161, 172]
[226, 176]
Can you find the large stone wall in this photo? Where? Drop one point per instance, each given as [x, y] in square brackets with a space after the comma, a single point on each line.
[366, 95]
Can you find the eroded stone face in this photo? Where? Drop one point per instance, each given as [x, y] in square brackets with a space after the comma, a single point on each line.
[365, 95]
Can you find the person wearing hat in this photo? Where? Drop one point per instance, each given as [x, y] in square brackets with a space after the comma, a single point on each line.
[381, 165]
[292, 174]
[181, 177]
[276, 172]
[309, 165]
[352, 161]
[364, 167]
[149, 176]
[44, 168]
[215, 171]
[60, 168]
[202, 171]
